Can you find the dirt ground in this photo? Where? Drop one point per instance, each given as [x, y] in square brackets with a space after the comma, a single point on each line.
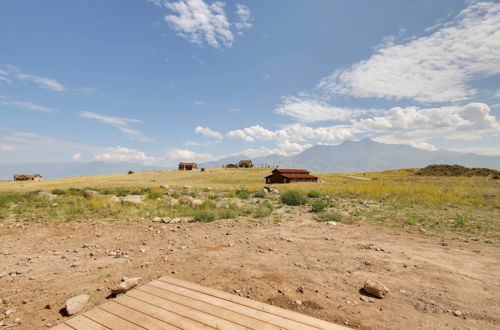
[299, 264]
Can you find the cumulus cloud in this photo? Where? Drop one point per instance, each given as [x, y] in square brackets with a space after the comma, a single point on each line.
[434, 68]
[208, 132]
[77, 156]
[199, 22]
[311, 110]
[189, 155]
[25, 105]
[122, 154]
[245, 18]
[47, 83]
[7, 148]
[120, 123]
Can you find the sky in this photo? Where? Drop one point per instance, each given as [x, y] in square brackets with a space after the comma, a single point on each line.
[160, 81]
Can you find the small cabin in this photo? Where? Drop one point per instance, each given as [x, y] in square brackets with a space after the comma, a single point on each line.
[231, 166]
[28, 177]
[187, 166]
[245, 163]
[290, 175]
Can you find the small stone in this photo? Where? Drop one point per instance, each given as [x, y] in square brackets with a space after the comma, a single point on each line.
[457, 313]
[331, 223]
[142, 250]
[297, 302]
[76, 304]
[375, 288]
[366, 299]
[17, 320]
[9, 312]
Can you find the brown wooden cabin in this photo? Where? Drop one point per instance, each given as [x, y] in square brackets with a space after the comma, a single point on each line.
[27, 177]
[245, 163]
[231, 166]
[187, 166]
[290, 175]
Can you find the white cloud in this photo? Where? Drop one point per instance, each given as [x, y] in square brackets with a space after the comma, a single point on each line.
[245, 18]
[26, 106]
[43, 82]
[3, 76]
[481, 150]
[310, 110]
[434, 68]
[189, 155]
[120, 123]
[199, 22]
[7, 148]
[199, 103]
[208, 132]
[77, 156]
[122, 154]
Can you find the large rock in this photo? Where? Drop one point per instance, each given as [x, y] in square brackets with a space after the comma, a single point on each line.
[375, 288]
[76, 304]
[125, 285]
[165, 186]
[196, 203]
[271, 190]
[136, 199]
[186, 199]
[90, 193]
[174, 202]
[115, 199]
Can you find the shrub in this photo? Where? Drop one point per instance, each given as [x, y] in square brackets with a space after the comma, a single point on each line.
[293, 197]
[58, 192]
[130, 172]
[7, 198]
[318, 206]
[203, 169]
[74, 191]
[242, 193]
[121, 192]
[313, 194]
[329, 216]
[263, 210]
[227, 213]
[154, 193]
[260, 194]
[204, 216]
[460, 220]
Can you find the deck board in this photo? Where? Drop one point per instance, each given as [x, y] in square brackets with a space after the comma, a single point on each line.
[170, 303]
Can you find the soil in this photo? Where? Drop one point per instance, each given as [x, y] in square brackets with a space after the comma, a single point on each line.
[299, 264]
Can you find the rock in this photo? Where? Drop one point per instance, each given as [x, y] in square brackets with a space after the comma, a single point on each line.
[375, 288]
[196, 203]
[208, 188]
[3, 274]
[90, 193]
[457, 313]
[186, 187]
[174, 202]
[186, 199]
[331, 223]
[297, 302]
[136, 199]
[366, 299]
[17, 320]
[76, 304]
[489, 196]
[175, 220]
[165, 186]
[44, 194]
[114, 199]
[125, 285]
[9, 312]
[272, 190]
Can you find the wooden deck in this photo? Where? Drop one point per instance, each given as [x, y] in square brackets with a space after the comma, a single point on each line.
[169, 303]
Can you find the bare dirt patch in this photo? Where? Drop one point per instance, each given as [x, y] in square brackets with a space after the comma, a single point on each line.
[299, 264]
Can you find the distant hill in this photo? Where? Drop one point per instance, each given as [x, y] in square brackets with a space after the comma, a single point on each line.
[368, 155]
[59, 170]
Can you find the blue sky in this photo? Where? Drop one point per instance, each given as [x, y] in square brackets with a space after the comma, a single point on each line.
[162, 81]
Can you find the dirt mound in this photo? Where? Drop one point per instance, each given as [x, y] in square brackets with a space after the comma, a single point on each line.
[457, 170]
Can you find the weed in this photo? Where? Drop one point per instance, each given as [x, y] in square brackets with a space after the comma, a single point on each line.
[263, 210]
[313, 194]
[293, 197]
[204, 216]
[460, 221]
[318, 206]
[328, 216]
[227, 213]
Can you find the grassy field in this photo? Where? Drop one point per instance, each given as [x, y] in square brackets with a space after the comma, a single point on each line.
[467, 205]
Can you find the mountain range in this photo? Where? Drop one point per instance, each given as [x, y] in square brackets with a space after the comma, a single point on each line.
[351, 156]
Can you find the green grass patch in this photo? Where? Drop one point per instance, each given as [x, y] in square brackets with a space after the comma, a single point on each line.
[293, 198]
[313, 194]
[328, 216]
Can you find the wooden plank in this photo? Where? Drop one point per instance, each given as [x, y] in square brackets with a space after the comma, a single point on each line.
[234, 307]
[167, 315]
[195, 309]
[135, 317]
[62, 326]
[110, 320]
[82, 322]
[297, 317]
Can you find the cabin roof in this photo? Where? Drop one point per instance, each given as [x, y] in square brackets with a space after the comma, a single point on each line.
[290, 170]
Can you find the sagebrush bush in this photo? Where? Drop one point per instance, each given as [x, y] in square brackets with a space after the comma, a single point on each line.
[318, 206]
[293, 197]
[204, 216]
[328, 216]
[227, 213]
[260, 194]
[242, 193]
[263, 210]
[313, 194]
[59, 192]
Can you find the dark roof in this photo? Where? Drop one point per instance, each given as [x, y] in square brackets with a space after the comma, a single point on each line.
[288, 170]
[302, 176]
[183, 163]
